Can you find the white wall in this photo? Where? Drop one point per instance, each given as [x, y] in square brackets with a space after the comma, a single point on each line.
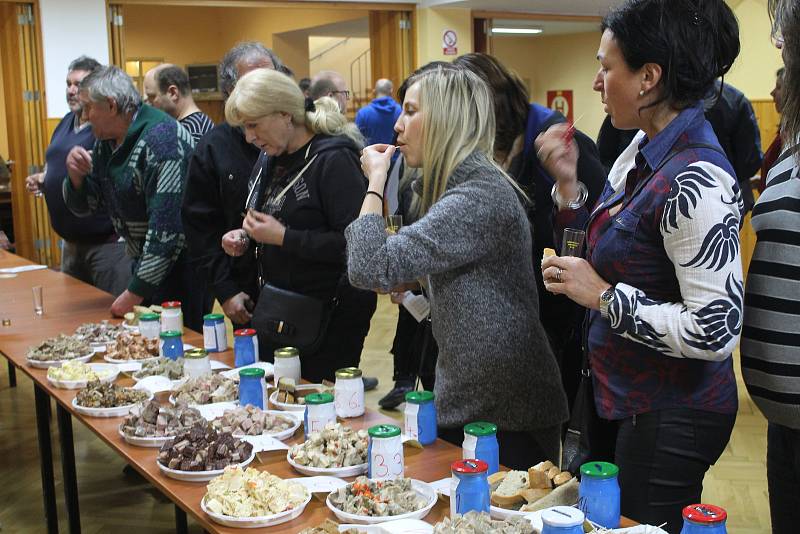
[70, 29]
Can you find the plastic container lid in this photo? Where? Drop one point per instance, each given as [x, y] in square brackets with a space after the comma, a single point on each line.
[214, 317]
[195, 354]
[480, 429]
[704, 514]
[318, 398]
[382, 431]
[469, 467]
[600, 470]
[170, 334]
[252, 372]
[149, 317]
[349, 372]
[171, 304]
[244, 332]
[419, 397]
[562, 516]
[286, 352]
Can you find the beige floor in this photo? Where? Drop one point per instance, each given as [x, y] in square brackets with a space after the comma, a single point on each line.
[110, 501]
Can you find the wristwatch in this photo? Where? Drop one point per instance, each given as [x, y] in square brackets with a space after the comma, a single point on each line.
[606, 298]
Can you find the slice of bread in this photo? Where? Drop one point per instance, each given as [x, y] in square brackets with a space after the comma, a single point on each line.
[544, 466]
[552, 472]
[548, 252]
[508, 492]
[496, 478]
[538, 479]
[533, 495]
[562, 478]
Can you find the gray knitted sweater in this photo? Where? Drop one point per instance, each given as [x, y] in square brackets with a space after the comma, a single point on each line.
[495, 363]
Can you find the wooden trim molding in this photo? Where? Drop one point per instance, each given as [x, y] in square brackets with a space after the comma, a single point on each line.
[274, 4]
[481, 14]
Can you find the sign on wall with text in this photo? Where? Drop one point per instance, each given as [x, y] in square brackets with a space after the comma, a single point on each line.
[561, 101]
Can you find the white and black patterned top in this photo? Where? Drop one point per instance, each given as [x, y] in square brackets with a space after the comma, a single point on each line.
[771, 335]
[198, 124]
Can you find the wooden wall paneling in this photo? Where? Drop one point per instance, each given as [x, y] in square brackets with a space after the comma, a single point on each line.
[213, 108]
[392, 45]
[116, 35]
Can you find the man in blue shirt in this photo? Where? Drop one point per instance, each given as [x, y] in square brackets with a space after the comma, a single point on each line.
[92, 251]
[376, 120]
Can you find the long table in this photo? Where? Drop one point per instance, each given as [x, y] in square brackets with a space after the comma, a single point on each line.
[69, 303]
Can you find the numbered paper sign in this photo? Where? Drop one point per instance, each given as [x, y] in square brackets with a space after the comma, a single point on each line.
[386, 460]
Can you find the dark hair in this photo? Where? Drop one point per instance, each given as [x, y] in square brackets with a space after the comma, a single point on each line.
[401, 91]
[84, 63]
[228, 75]
[693, 41]
[511, 99]
[785, 15]
[304, 84]
[173, 75]
[286, 70]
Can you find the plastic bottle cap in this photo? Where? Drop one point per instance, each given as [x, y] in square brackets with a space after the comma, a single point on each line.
[169, 334]
[349, 372]
[562, 516]
[599, 470]
[195, 354]
[171, 304]
[213, 317]
[318, 398]
[244, 332]
[286, 352]
[149, 317]
[704, 513]
[252, 372]
[469, 467]
[383, 431]
[419, 397]
[480, 429]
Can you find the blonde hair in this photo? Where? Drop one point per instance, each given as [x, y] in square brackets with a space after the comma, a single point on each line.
[262, 92]
[457, 120]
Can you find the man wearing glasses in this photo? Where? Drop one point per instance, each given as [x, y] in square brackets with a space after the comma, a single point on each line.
[332, 84]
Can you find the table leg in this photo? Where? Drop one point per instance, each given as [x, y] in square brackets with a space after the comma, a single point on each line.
[68, 468]
[12, 375]
[46, 458]
[181, 524]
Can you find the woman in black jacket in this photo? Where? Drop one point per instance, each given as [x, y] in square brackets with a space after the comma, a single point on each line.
[307, 187]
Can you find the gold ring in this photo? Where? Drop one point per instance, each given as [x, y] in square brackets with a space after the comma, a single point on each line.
[558, 275]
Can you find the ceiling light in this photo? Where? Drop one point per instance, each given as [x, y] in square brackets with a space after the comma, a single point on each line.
[517, 31]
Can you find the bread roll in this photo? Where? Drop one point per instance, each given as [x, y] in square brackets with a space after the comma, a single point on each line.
[552, 472]
[562, 478]
[544, 466]
[538, 479]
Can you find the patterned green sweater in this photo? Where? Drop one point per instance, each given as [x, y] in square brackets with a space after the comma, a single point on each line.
[141, 186]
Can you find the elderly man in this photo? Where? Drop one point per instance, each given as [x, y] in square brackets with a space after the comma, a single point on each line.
[376, 120]
[136, 171]
[332, 84]
[167, 88]
[216, 190]
[92, 251]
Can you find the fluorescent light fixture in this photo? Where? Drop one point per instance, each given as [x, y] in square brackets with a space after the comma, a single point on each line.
[517, 31]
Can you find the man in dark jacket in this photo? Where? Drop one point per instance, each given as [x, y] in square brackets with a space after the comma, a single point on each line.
[216, 190]
[376, 120]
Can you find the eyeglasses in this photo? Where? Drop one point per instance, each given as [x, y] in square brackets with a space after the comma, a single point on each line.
[345, 93]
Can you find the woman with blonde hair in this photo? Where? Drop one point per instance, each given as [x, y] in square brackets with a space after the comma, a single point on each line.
[306, 188]
[471, 248]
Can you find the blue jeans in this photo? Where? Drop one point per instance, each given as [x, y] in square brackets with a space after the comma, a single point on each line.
[783, 478]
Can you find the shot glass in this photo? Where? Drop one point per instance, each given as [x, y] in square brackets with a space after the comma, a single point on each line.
[572, 244]
[38, 300]
[393, 223]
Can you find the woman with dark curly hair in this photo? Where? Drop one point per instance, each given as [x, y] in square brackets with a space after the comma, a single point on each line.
[662, 278]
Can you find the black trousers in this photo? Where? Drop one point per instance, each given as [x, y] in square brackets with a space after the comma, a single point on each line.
[662, 458]
[518, 450]
[415, 351]
[344, 339]
[783, 478]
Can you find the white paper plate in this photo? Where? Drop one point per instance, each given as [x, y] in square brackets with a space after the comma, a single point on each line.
[133, 327]
[339, 472]
[79, 384]
[273, 399]
[403, 526]
[285, 434]
[199, 476]
[155, 384]
[117, 411]
[109, 359]
[57, 363]
[233, 374]
[255, 522]
[320, 484]
[423, 488]
[144, 442]
[503, 513]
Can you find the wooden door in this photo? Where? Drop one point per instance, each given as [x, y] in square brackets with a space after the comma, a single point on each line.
[20, 46]
[392, 37]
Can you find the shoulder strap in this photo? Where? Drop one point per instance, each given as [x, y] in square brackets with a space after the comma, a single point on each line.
[285, 190]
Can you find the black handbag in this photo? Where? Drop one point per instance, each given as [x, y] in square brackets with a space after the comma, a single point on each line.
[291, 319]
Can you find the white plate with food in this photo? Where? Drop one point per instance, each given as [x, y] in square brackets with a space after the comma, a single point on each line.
[131, 327]
[233, 374]
[105, 372]
[45, 364]
[116, 411]
[283, 434]
[338, 472]
[425, 495]
[109, 359]
[273, 398]
[258, 521]
[139, 441]
[199, 476]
